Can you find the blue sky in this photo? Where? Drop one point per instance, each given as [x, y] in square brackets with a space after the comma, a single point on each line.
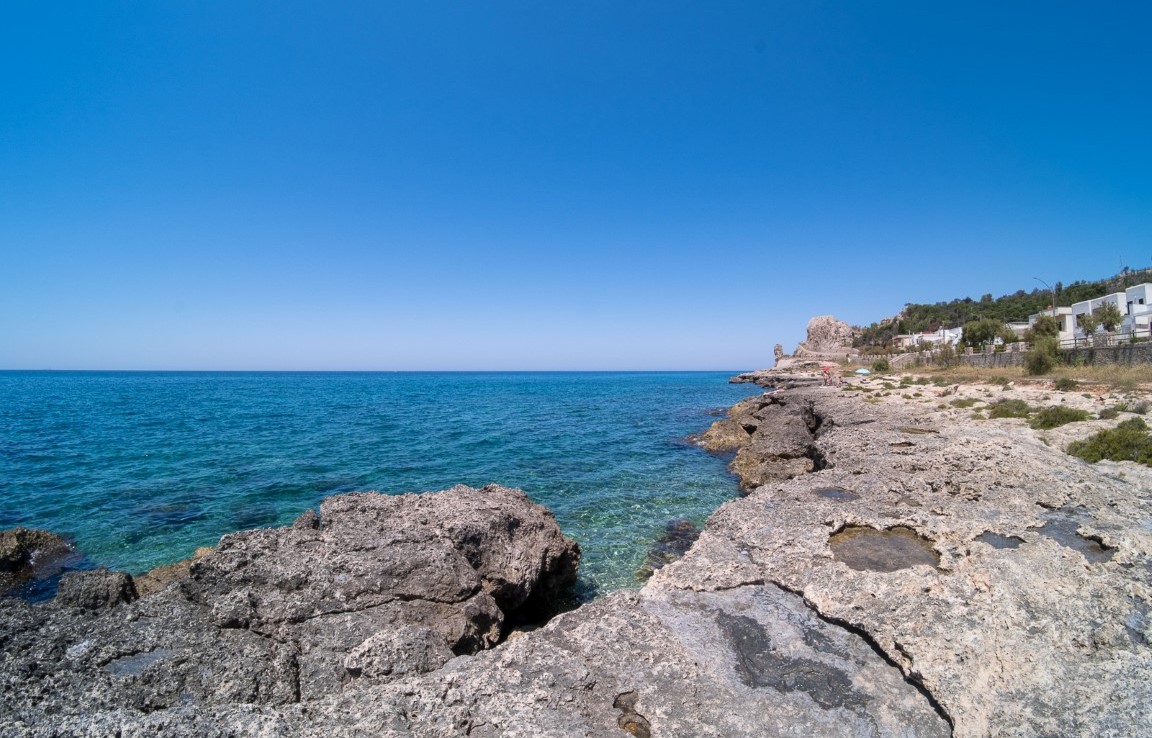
[515, 185]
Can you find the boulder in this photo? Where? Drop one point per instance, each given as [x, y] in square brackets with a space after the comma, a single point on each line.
[376, 588]
[95, 590]
[827, 337]
[26, 554]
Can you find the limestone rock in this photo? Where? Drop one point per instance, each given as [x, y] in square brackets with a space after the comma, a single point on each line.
[385, 587]
[1035, 621]
[27, 553]
[95, 590]
[826, 337]
[774, 439]
[162, 576]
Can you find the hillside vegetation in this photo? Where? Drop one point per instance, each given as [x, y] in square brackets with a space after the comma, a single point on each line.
[1015, 307]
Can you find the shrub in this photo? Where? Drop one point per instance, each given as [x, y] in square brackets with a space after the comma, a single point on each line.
[1141, 407]
[1066, 384]
[964, 402]
[1128, 441]
[1041, 358]
[1054, 417]
[881, 365]
[1009, 409]
[1108, 413]
[946, 356]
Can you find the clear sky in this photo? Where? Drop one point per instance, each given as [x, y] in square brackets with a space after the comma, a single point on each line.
[540, 185]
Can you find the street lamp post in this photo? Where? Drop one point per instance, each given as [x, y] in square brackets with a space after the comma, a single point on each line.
[1053, 306]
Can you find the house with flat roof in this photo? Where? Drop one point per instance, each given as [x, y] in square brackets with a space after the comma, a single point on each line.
[950, 336]
[1134, 304]
[1064, 318]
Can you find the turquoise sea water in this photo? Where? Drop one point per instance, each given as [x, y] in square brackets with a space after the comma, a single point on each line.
[140, 468]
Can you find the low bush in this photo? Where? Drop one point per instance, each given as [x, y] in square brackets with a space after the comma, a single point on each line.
[1054, 417]
[964, 402]
[1042, 358]
[1065, 384]
[1141, 407]
[1108, 413]
[1128, 441]
[881, 365]
[1009, 409]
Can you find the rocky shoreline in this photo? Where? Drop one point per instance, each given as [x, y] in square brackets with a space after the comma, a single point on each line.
[897, 568]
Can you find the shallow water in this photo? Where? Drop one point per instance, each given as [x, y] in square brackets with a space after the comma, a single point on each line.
[141, 468]
[1061, 526]
[868, 549]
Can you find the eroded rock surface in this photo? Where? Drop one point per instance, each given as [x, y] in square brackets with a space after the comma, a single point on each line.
[1033, 620]
[375, 588]
[27, 554]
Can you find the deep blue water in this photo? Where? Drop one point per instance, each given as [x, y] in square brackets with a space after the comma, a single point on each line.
[140, 468]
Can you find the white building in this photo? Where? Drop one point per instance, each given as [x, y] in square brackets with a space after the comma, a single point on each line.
[1134, 304]
[1119, 299]
[1139, 312]
[1064, 317]
[950, 336]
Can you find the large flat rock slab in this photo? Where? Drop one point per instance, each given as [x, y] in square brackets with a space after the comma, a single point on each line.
[1009, 579]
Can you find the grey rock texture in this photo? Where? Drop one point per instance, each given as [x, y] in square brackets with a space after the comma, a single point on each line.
[378, 588]
[95, 590]
[1035, 622]
[26, 554]
[773, 439]
[789, 373]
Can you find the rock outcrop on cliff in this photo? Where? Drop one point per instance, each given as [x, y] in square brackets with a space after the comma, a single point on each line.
[828, 338]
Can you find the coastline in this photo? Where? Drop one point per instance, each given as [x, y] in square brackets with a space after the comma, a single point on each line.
[1008, 627]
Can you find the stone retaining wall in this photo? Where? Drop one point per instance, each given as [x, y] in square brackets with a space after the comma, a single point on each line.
[1135, 353]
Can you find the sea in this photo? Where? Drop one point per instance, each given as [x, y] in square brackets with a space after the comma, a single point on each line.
[141, 468]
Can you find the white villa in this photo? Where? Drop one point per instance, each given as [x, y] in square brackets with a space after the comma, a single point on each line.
[949, 336]
[1134, 304]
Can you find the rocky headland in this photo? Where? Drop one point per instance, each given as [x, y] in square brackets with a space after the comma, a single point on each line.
[897, 568]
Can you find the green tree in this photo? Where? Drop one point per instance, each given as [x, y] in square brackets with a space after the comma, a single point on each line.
[985, 330]
[1045, 325]
[1088, 323]
[1109, 316]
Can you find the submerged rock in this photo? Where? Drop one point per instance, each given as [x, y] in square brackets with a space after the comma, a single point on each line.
[678, 537]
